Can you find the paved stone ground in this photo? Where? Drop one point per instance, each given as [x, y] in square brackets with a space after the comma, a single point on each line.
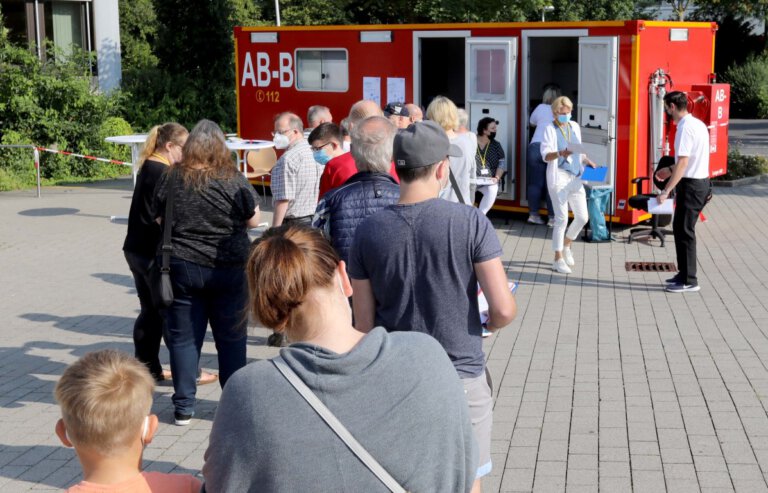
[603, 382]
[749, 136]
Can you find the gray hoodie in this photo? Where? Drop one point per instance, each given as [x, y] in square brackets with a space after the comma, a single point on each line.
[397, 393]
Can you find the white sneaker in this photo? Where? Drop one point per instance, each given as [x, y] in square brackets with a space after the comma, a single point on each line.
[568, 256]
[561, 267]
[535, 220]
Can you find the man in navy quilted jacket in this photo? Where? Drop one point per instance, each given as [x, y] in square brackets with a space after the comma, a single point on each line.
[371, 189]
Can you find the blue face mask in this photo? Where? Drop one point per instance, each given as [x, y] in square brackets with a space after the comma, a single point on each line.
[564, 118]
[321, 157]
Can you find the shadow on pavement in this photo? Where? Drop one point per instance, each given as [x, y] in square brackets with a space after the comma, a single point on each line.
[58, 211]
[49, 212]
[123, 280]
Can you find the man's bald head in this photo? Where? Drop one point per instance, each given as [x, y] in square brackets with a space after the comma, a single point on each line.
[414, 112]
[363, 109]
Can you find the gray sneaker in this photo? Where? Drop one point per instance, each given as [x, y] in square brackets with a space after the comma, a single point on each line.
[683, 288]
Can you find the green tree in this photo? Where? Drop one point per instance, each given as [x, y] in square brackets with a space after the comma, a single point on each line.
[247, 13]
[592, 10]
[194, 76]
[138, 29]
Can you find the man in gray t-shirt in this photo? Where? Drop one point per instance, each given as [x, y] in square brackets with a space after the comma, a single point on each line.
[416, 266]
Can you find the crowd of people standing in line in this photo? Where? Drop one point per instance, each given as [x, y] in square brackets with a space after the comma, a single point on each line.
[389, 226]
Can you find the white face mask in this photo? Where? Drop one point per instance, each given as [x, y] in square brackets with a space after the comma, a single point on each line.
[281, 141]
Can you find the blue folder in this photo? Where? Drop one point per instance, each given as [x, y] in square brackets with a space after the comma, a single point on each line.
[595, 174]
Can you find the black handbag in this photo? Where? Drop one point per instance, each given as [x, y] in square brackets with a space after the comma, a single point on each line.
[160, 276]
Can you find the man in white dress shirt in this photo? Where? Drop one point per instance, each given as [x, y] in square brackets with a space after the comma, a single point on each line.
[689, 177]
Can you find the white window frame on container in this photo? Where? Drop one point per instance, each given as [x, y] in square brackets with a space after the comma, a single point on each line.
[332, 73]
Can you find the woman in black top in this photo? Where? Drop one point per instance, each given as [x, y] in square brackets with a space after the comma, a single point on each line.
[161, 150]
[489, 159]
[214, 205]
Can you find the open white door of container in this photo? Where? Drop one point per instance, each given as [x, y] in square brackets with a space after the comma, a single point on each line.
[598, 63]
[491, 89]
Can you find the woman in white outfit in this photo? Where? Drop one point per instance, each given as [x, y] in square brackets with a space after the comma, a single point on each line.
[490, 161]
[564, 170]
[444, 112]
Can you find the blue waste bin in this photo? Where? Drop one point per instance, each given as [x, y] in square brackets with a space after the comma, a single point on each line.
[597, 206]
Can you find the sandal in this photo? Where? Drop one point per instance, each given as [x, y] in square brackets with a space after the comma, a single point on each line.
[163, 376]
[205, 378]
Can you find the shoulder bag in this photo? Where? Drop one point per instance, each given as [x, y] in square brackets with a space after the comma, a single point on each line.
[160, 276]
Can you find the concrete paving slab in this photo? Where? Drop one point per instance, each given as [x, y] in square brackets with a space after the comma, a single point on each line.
[604, 382]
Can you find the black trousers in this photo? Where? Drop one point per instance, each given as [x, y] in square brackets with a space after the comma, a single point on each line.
[148, 328]
[691, 196]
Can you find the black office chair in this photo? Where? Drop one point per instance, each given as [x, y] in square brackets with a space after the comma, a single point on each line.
[640, 201]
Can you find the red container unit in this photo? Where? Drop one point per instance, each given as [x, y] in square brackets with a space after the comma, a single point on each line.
[614, 72]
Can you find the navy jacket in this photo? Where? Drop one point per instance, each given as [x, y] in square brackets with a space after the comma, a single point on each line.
[341, 210]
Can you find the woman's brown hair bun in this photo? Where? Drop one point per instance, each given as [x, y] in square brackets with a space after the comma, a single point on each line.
[284, 265]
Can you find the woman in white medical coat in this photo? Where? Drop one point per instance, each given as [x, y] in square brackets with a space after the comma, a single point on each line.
[564, 169]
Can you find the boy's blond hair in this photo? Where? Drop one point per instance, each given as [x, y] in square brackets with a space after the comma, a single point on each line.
[104, 398]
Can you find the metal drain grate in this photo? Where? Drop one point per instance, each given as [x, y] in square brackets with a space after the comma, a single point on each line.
[650, 267]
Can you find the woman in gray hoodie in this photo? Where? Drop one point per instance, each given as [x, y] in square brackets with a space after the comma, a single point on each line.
[397, 393]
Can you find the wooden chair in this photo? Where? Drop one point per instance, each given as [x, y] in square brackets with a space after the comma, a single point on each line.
[260, 164]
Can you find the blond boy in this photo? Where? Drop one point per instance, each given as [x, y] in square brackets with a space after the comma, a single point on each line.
[105, 400]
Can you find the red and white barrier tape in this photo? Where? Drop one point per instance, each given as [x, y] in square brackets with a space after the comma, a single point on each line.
[92, 158]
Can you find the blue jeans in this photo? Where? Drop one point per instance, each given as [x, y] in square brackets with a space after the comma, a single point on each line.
[204, 295]
[537, 181]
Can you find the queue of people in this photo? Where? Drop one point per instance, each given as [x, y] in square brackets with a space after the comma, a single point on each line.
[369, 275]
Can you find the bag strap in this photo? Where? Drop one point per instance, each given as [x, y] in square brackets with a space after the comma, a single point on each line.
[338, 428]
[455, 186]
[166, 248]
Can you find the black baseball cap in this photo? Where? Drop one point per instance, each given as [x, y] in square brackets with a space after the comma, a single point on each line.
[397, 109]
[422, 144]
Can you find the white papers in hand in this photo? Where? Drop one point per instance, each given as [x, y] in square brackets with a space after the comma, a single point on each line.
[655, 208]
[480, 181]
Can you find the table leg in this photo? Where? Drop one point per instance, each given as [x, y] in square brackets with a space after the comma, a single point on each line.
[134, 162]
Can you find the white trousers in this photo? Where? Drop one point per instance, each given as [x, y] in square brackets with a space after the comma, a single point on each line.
[568, 190]
[489, 197]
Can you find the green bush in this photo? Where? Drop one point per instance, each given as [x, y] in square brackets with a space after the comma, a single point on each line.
[741, 166]
[53, 104]
[749, 88]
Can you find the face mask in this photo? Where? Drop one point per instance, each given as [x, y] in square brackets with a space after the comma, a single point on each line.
[321, 157]
[346, 146]
[281, 141]
[563, 118]
[492, 135]
[444, 185]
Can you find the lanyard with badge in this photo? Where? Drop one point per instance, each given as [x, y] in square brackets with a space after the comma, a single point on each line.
[567, 139]
[483, 166]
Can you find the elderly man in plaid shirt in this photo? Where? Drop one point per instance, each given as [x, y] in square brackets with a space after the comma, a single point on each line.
[296, 176]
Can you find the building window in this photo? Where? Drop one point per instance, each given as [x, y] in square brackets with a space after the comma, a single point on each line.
[15, 17]
[322, 70]
[65, 25]
[489, 69]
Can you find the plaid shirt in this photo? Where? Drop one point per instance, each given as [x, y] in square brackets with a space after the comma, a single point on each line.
[296, 178]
